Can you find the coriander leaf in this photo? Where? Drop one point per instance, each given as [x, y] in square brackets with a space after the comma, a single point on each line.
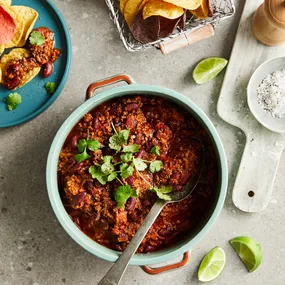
[123, 193]
[131, 148]
[97, 174]
[139, 164]
[155, 166]
[155, 150]
[163, 191]
[107, 167]
[127, 172]
[115, 142]
[126, 157]
[163, 196]
[124, 135]
[81, 145]
[93, 144]
[107, 158]
[36, 38]
[13, 100]
[112, 176]
[81, 156]
[123, 167]
[50, 87]
[135, 193]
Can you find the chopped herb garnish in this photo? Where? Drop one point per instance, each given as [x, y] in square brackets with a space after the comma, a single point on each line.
[82, 156]
[97, 173]
[93, 145]
[139, 164]
[50, 87]
[126, 157]
[131, 148]
[127, 171]
[36, 38]
[162, 192]
[155, 150]
[155, 166]
[123, 193]
[13, 100]
[112, 176]
[107, 167]
[118, 139]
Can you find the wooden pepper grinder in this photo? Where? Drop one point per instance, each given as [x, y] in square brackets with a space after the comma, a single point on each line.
[268, 25]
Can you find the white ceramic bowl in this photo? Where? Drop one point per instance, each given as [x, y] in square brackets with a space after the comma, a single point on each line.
[271, 123]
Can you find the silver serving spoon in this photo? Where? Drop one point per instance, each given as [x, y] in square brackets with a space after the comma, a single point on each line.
[115, 274]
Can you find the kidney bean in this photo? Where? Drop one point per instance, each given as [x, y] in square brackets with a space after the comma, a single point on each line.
[177, 187]
[14, 67]
[131, 203]
[77, 199]
[138, 139]
[186, 177]
[146, 203]
[48, 69]
[173, 180]
[122, 237]
[74, 140]
[77, 167]
[136, 216]
[96, 123]
[89, 187]
[131, 122]
[131, 180]
[166, 232]
[141, 153]
[118, 247]
[118, 124]
[146, 108]
[150, 248]
[71, 160]
[132, 106]
[14, 83]
[76, 220]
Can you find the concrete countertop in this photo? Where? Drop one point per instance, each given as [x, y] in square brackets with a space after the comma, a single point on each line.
[35, 250]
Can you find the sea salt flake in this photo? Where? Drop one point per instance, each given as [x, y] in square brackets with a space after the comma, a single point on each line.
[271, 93]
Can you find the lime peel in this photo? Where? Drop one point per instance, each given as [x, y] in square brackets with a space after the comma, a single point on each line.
[208, 68]
[248, 250]
[212, 265]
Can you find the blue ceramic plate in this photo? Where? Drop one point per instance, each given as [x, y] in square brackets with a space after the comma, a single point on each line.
[34, 96]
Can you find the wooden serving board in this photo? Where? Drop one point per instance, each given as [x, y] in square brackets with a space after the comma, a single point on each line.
[263, 149]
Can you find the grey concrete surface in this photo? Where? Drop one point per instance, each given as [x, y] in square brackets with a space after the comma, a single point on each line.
[34, 248]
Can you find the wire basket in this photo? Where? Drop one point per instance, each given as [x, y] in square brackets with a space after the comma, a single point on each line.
[223, 9]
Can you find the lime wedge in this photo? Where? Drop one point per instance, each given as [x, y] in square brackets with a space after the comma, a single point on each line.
[212, 264]
[208, 68]
[248, 250]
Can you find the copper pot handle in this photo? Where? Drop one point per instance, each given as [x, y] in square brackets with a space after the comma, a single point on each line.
[170, 267]
[108, 81]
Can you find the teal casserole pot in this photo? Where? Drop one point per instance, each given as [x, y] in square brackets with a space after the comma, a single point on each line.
[92, 102]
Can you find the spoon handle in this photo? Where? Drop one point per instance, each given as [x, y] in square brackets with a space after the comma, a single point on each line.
[115, 274]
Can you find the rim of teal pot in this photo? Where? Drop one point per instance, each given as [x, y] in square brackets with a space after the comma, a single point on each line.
[53, 192]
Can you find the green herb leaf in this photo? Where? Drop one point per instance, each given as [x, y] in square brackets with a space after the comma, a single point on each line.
[131, 148]
[93, 145]
[81, 156]
[155, 150]
[115, 142]
[81, 145]
[112, 176]
[107, 167]
[123, 193]
[124, 135]
[36, 38]
[126, 157]
[50, 87]
[13, 100]
[98, 174]
[139, 164]
[155, 166]
[123, 167]
[163, 191]
[127, 172]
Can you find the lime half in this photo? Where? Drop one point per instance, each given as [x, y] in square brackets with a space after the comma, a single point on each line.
[212, 264]
[208, 68]
[248, 250]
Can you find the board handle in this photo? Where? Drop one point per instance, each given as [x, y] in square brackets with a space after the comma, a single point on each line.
[256, 174]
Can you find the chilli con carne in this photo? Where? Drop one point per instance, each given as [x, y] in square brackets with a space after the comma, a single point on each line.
[40, 55]
[161, 131]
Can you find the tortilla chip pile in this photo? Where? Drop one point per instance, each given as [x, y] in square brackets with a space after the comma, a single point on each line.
[16, 23]
[150, 20]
